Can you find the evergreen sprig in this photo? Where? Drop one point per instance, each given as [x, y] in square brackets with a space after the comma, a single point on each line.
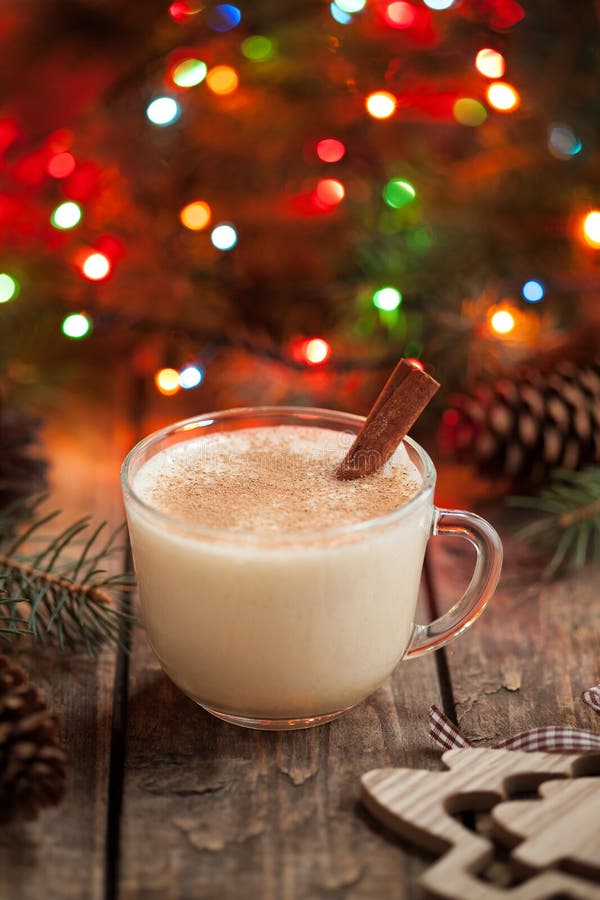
[58, 590]
[570, 518]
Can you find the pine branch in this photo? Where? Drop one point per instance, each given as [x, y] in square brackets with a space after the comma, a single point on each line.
[60, 592]
[570, 518]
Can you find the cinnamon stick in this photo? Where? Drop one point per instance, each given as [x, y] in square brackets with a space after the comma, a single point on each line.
[403, 398]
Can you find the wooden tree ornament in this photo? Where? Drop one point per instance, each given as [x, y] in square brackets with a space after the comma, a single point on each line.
[419, 805]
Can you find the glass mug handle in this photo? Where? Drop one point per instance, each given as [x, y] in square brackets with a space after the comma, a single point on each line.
[479, 533]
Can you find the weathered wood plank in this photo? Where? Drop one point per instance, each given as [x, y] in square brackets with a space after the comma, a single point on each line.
[212, 810]
[537, 646]
[62, 854]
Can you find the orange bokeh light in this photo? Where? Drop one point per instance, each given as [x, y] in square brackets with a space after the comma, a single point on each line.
[222, 80]
[591, 228]
[490, 63]
[381, 104]
[502, 321]
[503, 97]
[167, 381]
[196, 215]
[316, 351]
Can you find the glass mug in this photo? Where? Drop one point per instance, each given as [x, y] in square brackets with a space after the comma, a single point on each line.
[289, 631]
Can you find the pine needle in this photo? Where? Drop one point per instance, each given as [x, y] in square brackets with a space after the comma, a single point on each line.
[569, 519]
[59, 594]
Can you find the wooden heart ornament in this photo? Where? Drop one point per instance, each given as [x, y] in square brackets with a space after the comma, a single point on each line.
[420, 805]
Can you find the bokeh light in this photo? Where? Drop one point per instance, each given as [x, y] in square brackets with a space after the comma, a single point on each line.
[9, 287]
[61, 165]
[179, 10]
[330, 150]
[258, 48]
[381, 104]
[503, 97]
[438, 4]
[490, 63]
[190, 377]
[223, 17]
[468, 111]
[167, 381]
[562, 142]
[400, 14]
[76, 325]
[502, 321]
[222, 80]
[591, 228]
[224, 236]
[196, 215]
[329, 192]
[387, 298]
[533, 291]
[316, 351]
[339, 15]
[351, 6]
[415, 362]
[66, 215]
[163, 111]
[398, 193]
[189, 72]
[96, 266]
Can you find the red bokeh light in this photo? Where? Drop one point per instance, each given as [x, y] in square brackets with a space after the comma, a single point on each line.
[330, 150]
[329, 192]
[61, 165]
[179, 11]
[400, 14]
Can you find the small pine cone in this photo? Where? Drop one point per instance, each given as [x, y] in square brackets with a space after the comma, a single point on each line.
[523, 427]
[33, 763]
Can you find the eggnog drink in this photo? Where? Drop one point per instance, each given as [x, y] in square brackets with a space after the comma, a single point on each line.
[268, 591]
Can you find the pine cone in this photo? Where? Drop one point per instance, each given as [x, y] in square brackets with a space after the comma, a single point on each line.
[526, 426]
[33, 764]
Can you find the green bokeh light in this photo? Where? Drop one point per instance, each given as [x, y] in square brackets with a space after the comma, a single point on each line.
[9, 288]
[76, 325]
[398, 193]
[469, 112]
[189, 73]
[258, 48]
[387, 298]
[66, 215]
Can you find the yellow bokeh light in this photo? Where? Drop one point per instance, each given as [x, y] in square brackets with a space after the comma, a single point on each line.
[167, 381]
[502, 321]
[503, 97]
[196, 215]
[381, 104]
[591, 228]
[222, 80]
[490, 63]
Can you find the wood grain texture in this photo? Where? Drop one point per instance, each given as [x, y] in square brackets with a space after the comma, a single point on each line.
[61, 855]
[534, 650]
[422, 807]
[212, 810]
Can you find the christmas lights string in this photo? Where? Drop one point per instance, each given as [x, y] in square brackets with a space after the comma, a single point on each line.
[184, 72]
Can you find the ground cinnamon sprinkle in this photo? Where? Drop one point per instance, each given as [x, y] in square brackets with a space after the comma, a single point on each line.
[271, 480]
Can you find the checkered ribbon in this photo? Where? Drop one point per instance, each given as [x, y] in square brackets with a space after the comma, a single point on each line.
[553, 738]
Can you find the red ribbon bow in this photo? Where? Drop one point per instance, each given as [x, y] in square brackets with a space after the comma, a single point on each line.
[552, 738]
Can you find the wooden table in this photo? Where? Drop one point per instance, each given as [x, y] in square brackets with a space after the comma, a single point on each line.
[165, 801]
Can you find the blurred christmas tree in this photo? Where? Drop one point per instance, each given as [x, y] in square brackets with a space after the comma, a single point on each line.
[277, 200]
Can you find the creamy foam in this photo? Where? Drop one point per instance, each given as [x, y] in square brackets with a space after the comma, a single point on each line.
[271, 480]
